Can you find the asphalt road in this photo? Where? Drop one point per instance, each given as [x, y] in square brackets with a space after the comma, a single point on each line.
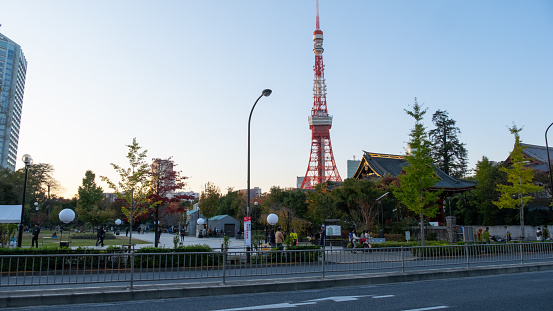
[521, 291]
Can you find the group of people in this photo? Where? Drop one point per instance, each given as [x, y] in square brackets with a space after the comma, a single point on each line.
[364, 239]
[484, 236]
[276, 239]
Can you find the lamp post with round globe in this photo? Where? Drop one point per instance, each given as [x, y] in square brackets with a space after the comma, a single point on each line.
[28, 162]
[66, 216]
[201, 223]
[117, 222]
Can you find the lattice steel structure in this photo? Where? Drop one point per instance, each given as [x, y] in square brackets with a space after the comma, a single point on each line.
[321, 166]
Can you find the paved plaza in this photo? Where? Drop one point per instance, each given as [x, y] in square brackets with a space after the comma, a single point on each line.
[166, 241]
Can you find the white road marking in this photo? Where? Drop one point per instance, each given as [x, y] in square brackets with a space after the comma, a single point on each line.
[341, 298]
[273, 306]
[429, 308]
[308, 302]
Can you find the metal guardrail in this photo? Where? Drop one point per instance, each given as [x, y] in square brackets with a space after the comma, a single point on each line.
[141, 267]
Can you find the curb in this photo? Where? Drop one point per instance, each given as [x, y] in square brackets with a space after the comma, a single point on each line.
[28, 298]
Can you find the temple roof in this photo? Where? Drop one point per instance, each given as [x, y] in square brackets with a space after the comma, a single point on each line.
[537, 156]
[378, 165]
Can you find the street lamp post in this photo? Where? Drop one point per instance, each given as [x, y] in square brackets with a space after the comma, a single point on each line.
[66, 216]
[381, 231]
[266, 92]
[28, 162]
[549, 161]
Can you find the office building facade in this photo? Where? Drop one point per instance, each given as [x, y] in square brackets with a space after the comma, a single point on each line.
[13, 70]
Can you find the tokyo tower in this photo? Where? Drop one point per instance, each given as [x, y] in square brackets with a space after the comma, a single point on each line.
[321, 167]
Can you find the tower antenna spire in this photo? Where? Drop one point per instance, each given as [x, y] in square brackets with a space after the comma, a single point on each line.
[317, 25]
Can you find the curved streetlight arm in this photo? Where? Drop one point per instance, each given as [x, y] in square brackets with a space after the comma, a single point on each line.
[249, 121]
[266, 92]
[549, 161]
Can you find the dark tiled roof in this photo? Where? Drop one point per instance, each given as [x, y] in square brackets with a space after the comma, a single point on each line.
[538, 154]
[383, 164]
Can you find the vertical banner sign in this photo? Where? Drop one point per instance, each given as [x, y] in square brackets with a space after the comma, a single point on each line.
[247, 231]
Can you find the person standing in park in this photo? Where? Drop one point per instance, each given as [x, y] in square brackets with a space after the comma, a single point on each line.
[36, 232]
[182, 233]
[546, 236]
[353, 238]
[127, 231]
[486, 235]
[507, 234]
[100, 236]
[294, 237]
[279, 238]
[539, 234]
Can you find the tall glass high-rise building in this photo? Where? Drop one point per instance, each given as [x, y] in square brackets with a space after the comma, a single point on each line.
[13, 69]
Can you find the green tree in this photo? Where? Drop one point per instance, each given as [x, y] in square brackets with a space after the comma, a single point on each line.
[414, 190]
[135, 183]
[487, 176]
[449, 154]
[322, 204]
[40, 182]
[519, 178]
[357, 198]
[88, 204]
[232, 204]
[209, 200]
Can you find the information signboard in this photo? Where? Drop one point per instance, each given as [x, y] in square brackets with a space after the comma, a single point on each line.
[333, 230]
[247, 231]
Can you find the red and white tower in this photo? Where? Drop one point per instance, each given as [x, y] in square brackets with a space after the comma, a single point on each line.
[321, 166]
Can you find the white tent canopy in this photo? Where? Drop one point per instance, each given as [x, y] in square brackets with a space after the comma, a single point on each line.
[10, 214]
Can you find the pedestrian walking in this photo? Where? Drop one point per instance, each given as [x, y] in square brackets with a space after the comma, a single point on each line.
[182, 233]
[279, 238]
[272, 238]
[323, 236]
[100, 236]
[36, 232]
[507, 234]
[479, 235]
[353, 238]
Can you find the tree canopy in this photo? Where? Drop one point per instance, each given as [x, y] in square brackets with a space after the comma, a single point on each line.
[414, 190]
[449, 154]
[517, 192]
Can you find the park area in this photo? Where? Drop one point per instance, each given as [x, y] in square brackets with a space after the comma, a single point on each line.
[85, 239]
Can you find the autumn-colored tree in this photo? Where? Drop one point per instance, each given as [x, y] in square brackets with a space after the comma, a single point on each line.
[163, 201]
[520, 187]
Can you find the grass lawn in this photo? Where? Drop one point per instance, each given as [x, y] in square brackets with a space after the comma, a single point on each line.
[45, 239]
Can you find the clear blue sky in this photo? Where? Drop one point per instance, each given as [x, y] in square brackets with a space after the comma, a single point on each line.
[182, 76]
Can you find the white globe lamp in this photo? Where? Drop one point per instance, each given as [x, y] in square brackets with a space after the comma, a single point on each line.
[272, 219]
[67, 215]
[118, 222]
